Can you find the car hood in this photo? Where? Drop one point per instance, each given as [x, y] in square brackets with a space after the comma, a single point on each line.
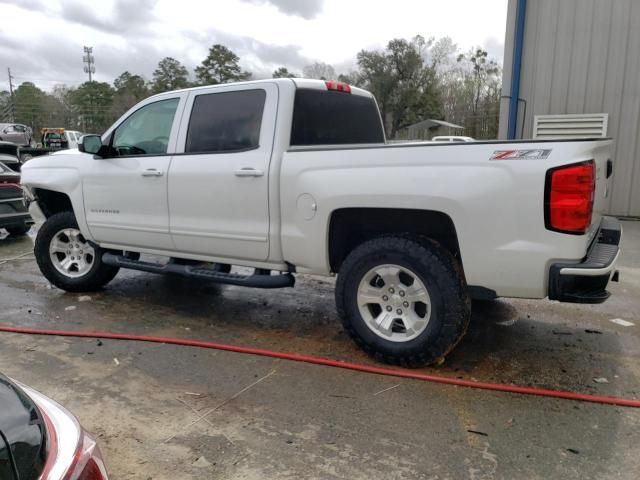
[59, 159]
[68, 151]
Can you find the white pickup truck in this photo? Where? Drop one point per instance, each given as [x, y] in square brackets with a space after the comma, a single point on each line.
[294, 175]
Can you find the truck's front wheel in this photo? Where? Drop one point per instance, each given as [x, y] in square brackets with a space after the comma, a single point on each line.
[403, 300]
[67, 259]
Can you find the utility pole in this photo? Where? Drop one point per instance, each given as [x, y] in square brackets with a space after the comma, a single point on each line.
[89, 61]
[89, 67]
[13, 104]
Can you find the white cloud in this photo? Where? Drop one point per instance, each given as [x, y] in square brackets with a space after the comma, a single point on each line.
[305, 8]
[134, 35]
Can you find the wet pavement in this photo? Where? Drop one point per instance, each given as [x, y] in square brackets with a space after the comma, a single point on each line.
[168, 412]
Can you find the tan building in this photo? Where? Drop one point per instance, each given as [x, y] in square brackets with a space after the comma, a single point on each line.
[578, 57]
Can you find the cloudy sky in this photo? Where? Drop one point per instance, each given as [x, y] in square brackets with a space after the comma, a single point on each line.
[42, 40]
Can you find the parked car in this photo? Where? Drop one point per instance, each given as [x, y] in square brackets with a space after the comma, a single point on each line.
[8, 176]
[16, 133]
[452, 138]
[294, 175]
[14, 216]
[10, 155]
[40, 440]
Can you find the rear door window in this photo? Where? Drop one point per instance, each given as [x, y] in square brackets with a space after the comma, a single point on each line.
[225, 122]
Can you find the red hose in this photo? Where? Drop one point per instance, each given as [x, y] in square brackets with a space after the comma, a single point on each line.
[623, 402]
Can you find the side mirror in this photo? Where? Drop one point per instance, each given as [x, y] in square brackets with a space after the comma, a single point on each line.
[90, 144]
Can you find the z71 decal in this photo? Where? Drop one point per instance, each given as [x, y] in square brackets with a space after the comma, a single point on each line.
[520, 154]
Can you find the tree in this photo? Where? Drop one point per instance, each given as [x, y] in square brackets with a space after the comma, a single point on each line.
[405, 87]
[5, 106]
[319, 70]
[133, 84]
[58, 108]
[29, 105]
[352, 78]
[36, 108]
[282, 72]
[220, 66]
[170, 75]
[480, 84]
[441, 54]
[93, 102]
[130, 89]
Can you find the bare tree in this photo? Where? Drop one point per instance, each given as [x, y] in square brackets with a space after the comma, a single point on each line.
[321, 71]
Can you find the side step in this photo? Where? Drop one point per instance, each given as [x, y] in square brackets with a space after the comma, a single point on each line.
[197, 271]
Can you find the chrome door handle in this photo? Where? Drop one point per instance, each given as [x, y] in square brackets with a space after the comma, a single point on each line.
[152, 172]
[249, 172]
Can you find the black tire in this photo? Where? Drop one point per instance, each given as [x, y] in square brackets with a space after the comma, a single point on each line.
[442, 277]
[99, 274]
[19, 230]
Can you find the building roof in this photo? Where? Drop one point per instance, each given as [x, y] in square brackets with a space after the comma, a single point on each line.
[430, 123]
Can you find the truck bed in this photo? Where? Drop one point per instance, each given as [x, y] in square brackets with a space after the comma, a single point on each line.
[496, 205]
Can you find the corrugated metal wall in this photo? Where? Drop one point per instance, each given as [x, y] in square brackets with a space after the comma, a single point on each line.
[583, 56]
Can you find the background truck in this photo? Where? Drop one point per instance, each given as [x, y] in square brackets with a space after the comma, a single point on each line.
[51, 140]
[294, 175]
[59, 138]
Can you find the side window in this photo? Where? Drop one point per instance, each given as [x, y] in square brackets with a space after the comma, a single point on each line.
[225, 122]
[147, 130]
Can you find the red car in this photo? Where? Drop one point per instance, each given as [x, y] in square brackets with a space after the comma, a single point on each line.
[14, 216]
[40, 440]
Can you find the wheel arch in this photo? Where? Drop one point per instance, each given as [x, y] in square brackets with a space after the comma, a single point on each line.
[52, 201]
[349, 227]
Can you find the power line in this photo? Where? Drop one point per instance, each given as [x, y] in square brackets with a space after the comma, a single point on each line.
[48, 80]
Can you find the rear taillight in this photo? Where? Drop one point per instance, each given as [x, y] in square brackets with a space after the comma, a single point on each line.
[569, 192]
[338, 87]
[71, 452]
[87, 463]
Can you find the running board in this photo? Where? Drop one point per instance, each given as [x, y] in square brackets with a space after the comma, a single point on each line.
[197, 271]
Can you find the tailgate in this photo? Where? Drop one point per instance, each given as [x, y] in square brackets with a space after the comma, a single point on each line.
[601, 153]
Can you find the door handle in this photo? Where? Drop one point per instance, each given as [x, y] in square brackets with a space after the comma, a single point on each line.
[152, 172]
[249, 172]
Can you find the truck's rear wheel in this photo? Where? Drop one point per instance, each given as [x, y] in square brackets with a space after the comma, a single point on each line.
[403, 300]
[67, 259]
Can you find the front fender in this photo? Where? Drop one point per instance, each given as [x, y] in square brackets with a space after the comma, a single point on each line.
[64, 180]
